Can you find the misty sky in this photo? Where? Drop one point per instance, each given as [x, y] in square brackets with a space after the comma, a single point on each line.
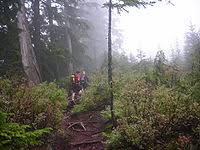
[158, 27]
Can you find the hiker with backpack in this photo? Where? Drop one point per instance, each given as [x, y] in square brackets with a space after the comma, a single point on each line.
[84, 80]
[75, 86]
[78, 82]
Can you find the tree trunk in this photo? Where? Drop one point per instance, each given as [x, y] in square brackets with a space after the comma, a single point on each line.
[52, 33]
[36, 33]
[28, 56]
[36, 23]
[50, 18]
[95, 57]
[110, 63]
[69, 41]
[57, 68]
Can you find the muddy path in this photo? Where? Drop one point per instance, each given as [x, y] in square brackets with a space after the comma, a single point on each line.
[84, 131]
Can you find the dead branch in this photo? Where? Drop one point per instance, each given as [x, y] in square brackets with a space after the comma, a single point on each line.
[83, 126]
[77, 123]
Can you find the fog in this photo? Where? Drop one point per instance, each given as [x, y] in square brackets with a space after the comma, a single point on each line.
[159, 27]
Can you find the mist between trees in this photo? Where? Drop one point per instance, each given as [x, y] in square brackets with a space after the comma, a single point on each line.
[64, 36]
[47, 40]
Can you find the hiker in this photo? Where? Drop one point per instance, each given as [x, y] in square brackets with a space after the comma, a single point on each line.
[84, 80]
[75, 87]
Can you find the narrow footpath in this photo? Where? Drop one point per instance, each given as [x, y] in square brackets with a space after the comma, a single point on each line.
[84, 131]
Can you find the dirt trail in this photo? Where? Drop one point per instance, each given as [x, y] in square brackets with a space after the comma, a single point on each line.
[84, 131]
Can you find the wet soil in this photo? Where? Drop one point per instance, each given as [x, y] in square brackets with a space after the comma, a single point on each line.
[84, 131]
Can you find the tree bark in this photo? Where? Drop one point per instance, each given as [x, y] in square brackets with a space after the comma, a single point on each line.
[50, 18]
[110, 63]
[36, 22]
[52, 34]
[28, 55]
[69, 41]
[37, 34]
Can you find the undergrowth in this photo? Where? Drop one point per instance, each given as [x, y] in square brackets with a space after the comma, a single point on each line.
[149, 115]
[29, 113]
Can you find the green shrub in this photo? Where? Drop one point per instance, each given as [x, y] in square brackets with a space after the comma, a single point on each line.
[16, 136]
[33, 111]
[39, 106]
[153, 117]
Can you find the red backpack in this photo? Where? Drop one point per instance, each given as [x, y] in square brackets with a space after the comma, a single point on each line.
[77, 78]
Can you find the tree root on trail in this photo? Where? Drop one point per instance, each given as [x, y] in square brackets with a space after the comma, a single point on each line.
[78, 130]
[85, 130]
[92, 121]
[86, 142]
[96, 133]
[77, 123]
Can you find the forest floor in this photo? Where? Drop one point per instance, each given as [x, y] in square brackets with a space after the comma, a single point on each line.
[84, 130]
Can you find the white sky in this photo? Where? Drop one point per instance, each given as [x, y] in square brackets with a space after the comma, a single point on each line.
[158, 27]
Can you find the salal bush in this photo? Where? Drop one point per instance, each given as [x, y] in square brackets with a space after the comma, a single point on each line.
[28, 113]
[149, 116]
[30, 109]
[39, 106]
[154, 117]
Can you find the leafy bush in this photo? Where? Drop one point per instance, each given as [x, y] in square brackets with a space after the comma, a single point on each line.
[150, 115]
[153, 117]
[31, 111]
[39, 106]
